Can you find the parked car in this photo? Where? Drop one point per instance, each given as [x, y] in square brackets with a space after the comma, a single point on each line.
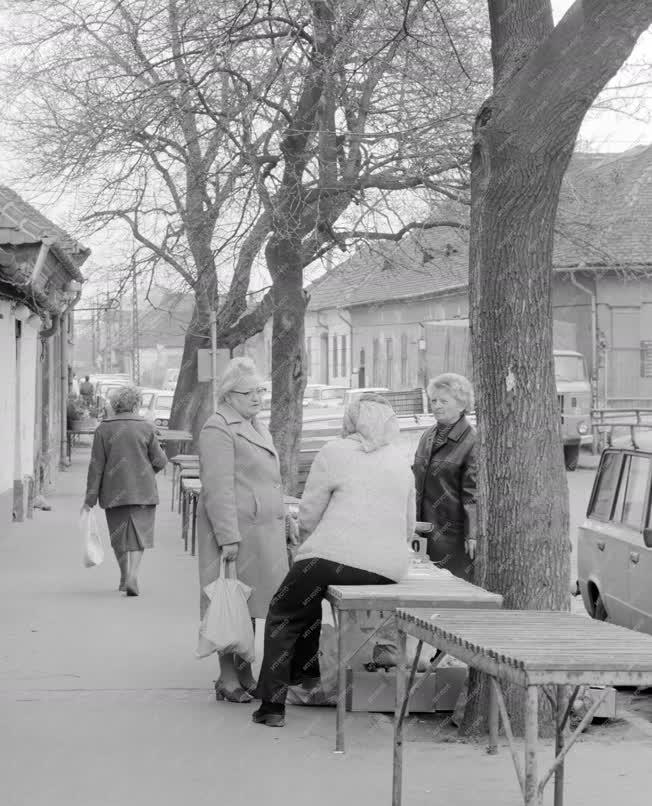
[147, 395]
[351, 393]
[159, 408]
[320, 395]
[614, 547]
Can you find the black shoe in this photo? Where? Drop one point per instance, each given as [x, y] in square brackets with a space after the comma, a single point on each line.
[273, 719]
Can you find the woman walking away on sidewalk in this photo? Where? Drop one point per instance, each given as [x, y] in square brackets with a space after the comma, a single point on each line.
[125, 457]
[357, 513]
[241, 515]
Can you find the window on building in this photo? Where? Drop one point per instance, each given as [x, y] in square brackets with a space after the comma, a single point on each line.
[375, 362]
[362, 380]
[309, 355]
[335, 367]
[404, 359]
[389, 363]
[343, 356]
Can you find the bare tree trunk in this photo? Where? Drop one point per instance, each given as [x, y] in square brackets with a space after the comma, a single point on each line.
[525, 548]
[288, 378]
[545, 79]
[192, 399]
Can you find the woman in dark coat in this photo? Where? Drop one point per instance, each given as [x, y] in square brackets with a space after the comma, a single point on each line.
[125, 457]
[444, 473]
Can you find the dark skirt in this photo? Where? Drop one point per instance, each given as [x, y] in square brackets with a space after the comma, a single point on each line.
[131, 528]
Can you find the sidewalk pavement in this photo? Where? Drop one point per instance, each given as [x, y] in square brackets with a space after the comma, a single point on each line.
[102, 702]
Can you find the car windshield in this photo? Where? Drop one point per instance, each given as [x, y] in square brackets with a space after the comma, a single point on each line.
[569, 368]
[164, 403]
[332, 394]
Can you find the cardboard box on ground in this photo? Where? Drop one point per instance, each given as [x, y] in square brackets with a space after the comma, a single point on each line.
[374, 692]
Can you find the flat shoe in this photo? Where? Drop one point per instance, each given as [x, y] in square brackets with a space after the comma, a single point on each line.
[232, 695]
[271, 720]
[131, 587]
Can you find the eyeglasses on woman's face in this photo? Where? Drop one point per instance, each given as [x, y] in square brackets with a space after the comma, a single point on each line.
[250, 393]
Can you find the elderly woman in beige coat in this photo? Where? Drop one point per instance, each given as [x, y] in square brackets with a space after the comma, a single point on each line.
[240, 515]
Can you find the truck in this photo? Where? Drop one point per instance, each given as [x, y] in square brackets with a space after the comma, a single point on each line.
[447, 349]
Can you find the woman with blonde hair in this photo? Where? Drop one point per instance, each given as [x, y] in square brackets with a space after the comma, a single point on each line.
[125, 458]
[241, 515]
[444, 474]
[355, 518]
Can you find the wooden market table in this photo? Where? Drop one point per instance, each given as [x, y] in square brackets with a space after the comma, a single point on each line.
[426, 586]
[181, 462]
[190, 492]
[184, 438]
[539, 650]
[77, 432]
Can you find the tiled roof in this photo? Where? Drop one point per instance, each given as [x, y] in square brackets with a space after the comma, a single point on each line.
[604, 219]
[432, 261]
[20, 223]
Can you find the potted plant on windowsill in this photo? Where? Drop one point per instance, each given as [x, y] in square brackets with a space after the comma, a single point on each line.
[79, 416]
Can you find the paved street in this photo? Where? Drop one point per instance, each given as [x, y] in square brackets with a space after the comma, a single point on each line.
[103, 703]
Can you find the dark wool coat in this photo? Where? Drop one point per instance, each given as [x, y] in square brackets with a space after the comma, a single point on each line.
[125, 457]
[445, 494]
[241, 502]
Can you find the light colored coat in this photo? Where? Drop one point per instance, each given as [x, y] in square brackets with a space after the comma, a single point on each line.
[241, 502]
[358, 508]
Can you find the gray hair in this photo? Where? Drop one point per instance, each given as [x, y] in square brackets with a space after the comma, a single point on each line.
[457, 386]
[237, 370]
[125, 399]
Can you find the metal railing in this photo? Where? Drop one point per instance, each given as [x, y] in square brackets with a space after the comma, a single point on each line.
[605, 422]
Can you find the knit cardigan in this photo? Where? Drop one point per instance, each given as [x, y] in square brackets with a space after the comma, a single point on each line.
[358, 508]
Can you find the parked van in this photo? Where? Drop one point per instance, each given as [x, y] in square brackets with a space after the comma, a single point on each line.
[614, 547]
[574, 398]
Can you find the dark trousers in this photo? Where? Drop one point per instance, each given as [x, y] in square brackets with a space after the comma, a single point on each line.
[294, 623]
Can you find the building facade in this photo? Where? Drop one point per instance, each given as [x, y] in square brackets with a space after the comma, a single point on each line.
[376, 304]
[40, 281]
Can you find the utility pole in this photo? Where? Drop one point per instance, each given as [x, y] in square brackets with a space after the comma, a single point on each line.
[109, 336]
[93, 341]
[135, 336]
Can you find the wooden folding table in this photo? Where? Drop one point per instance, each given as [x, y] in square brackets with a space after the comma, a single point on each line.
[425, 586]
[539, 650]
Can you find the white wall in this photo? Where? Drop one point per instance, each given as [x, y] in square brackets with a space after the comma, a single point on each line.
[338, 329]
[7, 409]
[28, 395]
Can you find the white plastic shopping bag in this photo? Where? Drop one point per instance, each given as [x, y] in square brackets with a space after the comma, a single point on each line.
[91, 538]
[226, 626]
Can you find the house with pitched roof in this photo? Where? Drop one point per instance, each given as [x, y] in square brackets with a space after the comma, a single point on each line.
[40, 282]
[366, 316]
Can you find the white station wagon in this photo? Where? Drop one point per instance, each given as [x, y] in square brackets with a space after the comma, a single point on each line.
[614, 559]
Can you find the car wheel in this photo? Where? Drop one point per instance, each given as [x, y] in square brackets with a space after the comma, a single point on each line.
[599, 610]
[571, 456]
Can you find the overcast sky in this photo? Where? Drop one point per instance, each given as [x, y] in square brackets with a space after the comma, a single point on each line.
[601, 131]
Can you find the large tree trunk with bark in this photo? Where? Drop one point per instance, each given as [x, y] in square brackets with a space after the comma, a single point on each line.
[192, 400]
[524, 546]
[545, 80]
[288, 378]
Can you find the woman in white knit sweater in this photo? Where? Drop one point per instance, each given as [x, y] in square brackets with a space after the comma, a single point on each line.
[356, 517]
